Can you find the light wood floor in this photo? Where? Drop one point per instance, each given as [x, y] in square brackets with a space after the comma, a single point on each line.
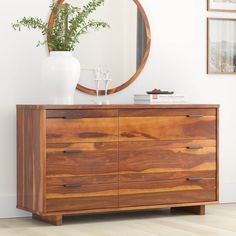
[219, 220]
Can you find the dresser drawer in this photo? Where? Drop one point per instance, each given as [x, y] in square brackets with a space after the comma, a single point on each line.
[168, 112]
[179, 126]
[94, 162]
[82, 113]
[158, 160]
[166, 192]
[67, 195]
[65, 126]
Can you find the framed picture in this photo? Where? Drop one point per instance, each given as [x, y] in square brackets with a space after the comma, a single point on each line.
[221, 46]
[221, 5]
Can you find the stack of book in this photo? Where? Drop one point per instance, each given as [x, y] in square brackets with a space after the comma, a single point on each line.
[159, 98]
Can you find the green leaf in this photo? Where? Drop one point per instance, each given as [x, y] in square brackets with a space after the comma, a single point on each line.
[70, 24]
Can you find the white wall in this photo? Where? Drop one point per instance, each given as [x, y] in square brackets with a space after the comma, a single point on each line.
[177, 62]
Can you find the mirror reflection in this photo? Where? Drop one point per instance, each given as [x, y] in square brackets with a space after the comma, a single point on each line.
[116, 52]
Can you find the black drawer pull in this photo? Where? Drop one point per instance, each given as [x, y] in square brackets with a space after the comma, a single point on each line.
[72, 185]
[72, 151]
[195, 179]
[195, 116]
[195, 147]
[72, 117]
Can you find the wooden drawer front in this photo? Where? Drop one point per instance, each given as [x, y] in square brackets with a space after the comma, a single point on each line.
[89, 162]
[166, 192]
[81, 126]
[67, 195]
[166, 112]
[80, 114]
[167, 128]
[156, 160]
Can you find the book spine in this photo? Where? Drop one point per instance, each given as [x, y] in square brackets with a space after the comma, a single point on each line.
[159, 97]
[160, 101]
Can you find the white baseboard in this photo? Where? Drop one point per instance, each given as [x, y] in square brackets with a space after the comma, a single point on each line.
[228, 192]
[8, 207]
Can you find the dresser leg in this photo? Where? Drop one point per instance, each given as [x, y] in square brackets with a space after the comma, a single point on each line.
[196, 210]
[53, 220]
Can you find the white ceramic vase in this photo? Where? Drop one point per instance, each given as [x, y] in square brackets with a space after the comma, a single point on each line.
[60, 76]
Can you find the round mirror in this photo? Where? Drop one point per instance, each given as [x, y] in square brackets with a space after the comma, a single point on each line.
[121, 50]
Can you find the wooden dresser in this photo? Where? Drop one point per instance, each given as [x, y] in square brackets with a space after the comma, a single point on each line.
[80, 159]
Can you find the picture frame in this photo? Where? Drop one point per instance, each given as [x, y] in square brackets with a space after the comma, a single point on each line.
[221, 46]
[221, 5]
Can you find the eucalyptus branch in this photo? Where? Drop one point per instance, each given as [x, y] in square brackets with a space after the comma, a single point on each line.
[81, 16]
[70, 23]
[92, 24]
[35, 23]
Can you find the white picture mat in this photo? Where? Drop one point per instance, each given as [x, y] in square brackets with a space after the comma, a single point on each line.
[222, 5]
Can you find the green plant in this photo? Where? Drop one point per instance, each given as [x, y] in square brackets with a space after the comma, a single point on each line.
[70, 23]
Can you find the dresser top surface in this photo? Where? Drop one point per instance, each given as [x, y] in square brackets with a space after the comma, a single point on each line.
[117, 106]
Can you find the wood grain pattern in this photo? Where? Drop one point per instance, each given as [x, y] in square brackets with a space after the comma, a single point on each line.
[126, 209]
[54, 219]
[91, 159]
[83, 179]
[87, 159]
[149, 161]
[20, 158]
[82, 147]
[90, 162]
[88, 196]
[156, 175]
[166, 192]
[82, 130]
[166, 128]
[166, 112]
[171, 144]
[79, 204]
[119, 106]
[218, 155]
[30, 159]
[78, 114]
[55, 191]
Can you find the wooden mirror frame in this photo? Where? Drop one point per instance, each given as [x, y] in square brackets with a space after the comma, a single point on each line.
[141, 67]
